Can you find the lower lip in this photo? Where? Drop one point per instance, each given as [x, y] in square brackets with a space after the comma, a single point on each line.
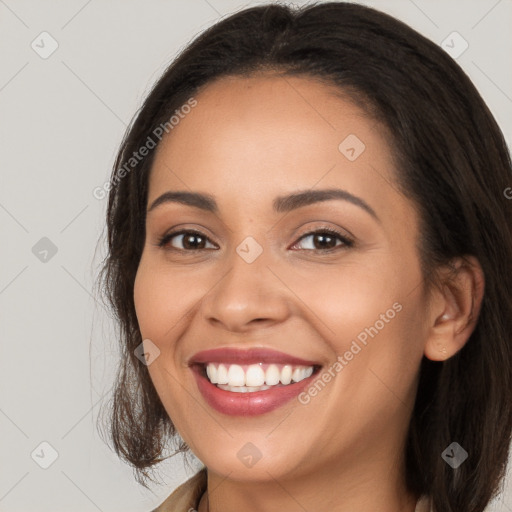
[249, 403]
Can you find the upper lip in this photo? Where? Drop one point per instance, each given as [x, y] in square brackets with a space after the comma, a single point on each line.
[248, 356]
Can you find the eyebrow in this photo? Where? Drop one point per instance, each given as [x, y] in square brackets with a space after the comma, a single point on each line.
[281, 204]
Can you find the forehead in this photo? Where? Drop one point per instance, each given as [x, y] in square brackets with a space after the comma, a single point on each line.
[270, 134]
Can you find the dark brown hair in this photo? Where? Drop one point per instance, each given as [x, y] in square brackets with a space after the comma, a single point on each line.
[452, 161]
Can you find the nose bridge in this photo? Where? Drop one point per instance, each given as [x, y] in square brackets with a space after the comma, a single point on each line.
[248, 291]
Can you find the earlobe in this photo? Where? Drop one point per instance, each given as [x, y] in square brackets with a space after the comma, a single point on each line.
[455, 308]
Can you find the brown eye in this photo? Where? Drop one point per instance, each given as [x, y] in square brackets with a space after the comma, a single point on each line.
[326, 240]
[323, 240]
[189, 240]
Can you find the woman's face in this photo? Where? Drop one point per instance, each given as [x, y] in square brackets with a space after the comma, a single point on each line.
[253, 276]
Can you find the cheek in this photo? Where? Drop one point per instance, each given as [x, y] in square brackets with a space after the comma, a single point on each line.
[349, 298]
[157, 301]
[369, 315]
[159, 307]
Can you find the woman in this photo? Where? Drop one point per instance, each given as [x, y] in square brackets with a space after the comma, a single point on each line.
[310, 261]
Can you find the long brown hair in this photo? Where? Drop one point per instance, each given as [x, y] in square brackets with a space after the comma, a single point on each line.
[452, 161]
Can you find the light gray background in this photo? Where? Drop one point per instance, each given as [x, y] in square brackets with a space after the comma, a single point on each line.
[62, 119]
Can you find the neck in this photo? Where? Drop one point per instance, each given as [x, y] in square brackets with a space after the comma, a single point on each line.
[329, 489]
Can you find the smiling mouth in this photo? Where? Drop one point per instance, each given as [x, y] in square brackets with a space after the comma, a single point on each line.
[240, 378]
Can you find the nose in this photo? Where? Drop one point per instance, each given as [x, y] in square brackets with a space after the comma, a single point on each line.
[247, 297]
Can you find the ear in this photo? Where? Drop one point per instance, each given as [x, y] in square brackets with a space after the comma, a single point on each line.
[454, 308]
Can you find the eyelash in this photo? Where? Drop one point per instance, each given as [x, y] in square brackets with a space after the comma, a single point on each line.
[347, 242]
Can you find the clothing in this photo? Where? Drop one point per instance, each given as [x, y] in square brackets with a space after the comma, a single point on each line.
[187, 496]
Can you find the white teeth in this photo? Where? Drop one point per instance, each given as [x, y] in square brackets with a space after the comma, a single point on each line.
[243, 389]
[233, 377]
[272, 375]
[296, 375]
[286, 374]
[211, 371]
[302, 373]
[255, 376]
[236, 375]
[222, 374]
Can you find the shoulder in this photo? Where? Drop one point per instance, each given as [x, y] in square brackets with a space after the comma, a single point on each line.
[186, 496]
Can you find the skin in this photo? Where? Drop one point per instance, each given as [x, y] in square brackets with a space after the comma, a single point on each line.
[247, 141]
